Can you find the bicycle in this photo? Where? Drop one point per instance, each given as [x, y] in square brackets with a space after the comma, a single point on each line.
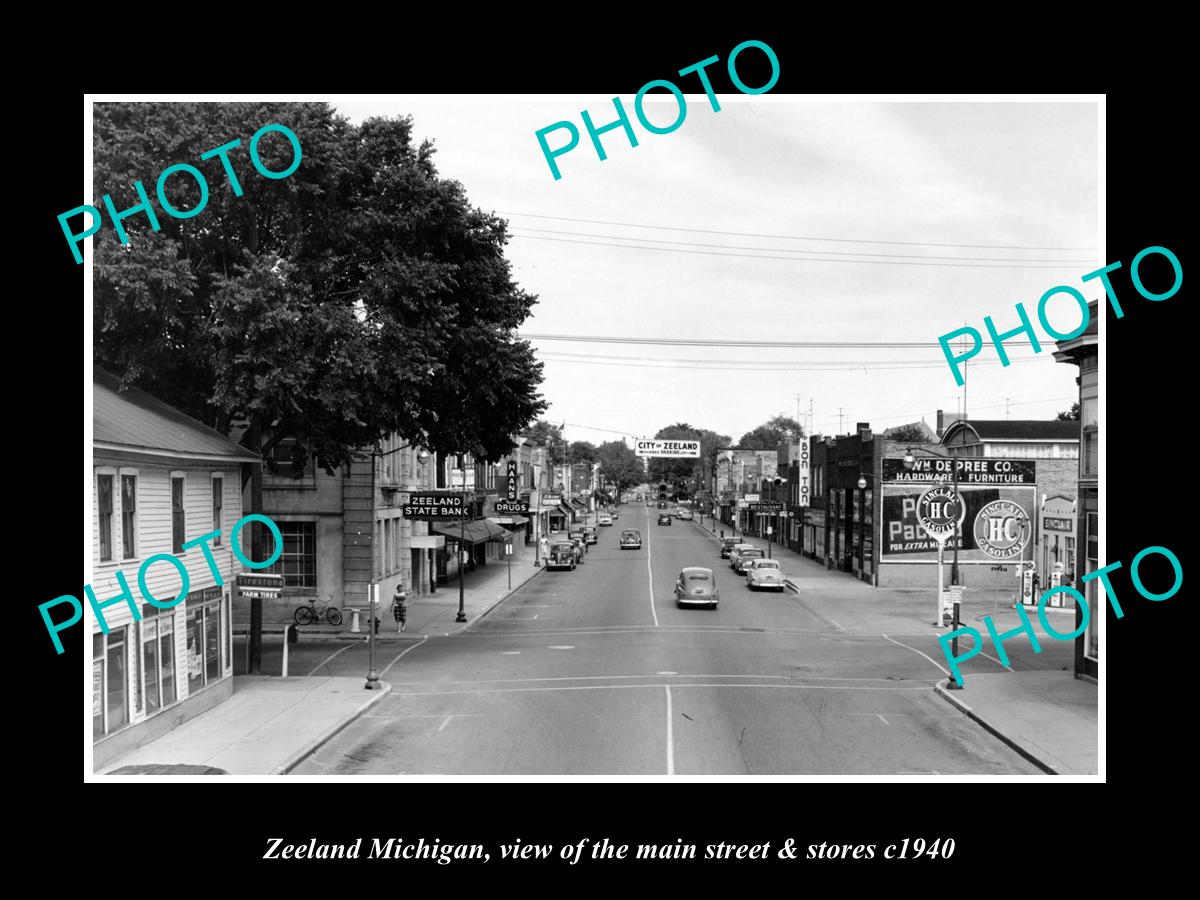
[309, 615]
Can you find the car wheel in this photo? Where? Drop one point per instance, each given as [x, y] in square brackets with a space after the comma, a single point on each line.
[712, 606]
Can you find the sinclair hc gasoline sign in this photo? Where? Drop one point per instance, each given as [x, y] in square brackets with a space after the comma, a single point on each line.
[1002, 529]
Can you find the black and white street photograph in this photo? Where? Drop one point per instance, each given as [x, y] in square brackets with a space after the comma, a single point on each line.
[706, 432]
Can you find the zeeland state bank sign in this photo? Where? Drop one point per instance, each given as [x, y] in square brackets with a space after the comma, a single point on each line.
[676, 449]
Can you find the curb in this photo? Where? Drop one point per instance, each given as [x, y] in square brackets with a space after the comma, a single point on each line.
[968, 711]
[538, 571]
[299, 756]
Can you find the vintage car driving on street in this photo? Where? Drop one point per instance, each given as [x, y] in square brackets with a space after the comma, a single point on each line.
[591, 535]
[664, 519]
[605, 519]
[696, 586]
[727, 544]
[562, 555]
[742, 553]
[631, 539]
[764, 573]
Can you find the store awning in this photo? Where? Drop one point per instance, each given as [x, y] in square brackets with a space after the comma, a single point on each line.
[476, 531]
[512, 521]
[565, 509]
[578, 504]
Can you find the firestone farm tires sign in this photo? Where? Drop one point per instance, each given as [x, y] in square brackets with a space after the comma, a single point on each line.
[673, 449]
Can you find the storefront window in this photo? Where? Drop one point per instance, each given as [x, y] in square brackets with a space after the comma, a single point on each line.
[1092, 648]
[97, 686]
[204, 638]
[110, 705]
[158, 659]
[212, 642]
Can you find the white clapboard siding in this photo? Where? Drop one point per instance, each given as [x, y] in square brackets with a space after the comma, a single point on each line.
[154, 534]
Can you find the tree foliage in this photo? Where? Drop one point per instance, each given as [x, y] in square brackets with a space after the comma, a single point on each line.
[543, 433]
[670, 470]
[619, 464]
[1071, 415]
[581, 452]
[360, 295]
[908, 434]
[771, 434]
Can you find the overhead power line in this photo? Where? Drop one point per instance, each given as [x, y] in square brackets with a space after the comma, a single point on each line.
[876, 262]
[794, 237]
[735, 342]
[906, 256]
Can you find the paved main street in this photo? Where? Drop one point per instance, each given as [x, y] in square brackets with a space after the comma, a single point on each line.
[597, 672]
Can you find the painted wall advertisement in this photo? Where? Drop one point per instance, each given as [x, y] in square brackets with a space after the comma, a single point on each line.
[981, 481]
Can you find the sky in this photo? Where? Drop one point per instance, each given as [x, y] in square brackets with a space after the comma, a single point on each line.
[885, 195]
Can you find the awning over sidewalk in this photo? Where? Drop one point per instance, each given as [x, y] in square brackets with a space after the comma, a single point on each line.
[512, 521]
[476, 531]
[565, 509]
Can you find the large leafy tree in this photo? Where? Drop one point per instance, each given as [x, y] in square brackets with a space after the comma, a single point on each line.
[360, 295]
[771, 434]
[620, 465]
[543, 433]
[581, 452]
[673, 471]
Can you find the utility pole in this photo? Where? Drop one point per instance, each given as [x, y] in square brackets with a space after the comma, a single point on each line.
[839, 420]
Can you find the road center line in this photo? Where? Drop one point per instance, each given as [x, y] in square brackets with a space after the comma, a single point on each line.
[650, 572]
[423, 639]
[915, 650]
[670, 735]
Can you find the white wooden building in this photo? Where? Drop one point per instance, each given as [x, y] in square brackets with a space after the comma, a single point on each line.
[159, 480]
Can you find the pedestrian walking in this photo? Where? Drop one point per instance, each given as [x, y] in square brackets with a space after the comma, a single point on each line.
[400, 607]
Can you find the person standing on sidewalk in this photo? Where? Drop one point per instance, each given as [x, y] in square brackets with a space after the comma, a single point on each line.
[400, 606]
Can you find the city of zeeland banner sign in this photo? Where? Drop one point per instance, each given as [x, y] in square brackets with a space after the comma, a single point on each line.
[674, 449]
[427, 506]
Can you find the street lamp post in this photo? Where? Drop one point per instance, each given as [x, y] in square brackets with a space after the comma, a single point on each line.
[462, 616]
[373, 586]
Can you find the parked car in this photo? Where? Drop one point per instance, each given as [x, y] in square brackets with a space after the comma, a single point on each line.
[764, 573]
[562, 555]
[696, 586]
[591, 535]
[735, 550]
[631, 539]
[741, 558]
[578, 534]
[664, 519]
[727, 544]
[615, 514]
[685, 515]
[580, 548]
[604, 519]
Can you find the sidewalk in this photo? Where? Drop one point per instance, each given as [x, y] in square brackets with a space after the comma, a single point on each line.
[848, 604]
[266, 728]
[431, 614]
[1047, 717]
